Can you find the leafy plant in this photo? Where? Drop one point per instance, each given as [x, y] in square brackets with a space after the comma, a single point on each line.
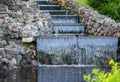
[102, 76]
[107, 7]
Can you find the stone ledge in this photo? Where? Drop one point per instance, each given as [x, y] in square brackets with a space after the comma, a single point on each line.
[95, 23]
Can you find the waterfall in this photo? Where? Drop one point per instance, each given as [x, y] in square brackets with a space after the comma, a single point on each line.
[78, 50]
[65, 19]
[60, 29]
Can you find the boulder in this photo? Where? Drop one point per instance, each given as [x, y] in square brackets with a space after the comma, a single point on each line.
[4, 60]
[27, 40]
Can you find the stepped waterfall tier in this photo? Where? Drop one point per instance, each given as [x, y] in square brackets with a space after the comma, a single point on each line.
[68, 43]
[67, 53]
[76, 50]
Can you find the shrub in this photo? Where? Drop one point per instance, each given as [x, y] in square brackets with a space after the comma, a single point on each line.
[107, 7]
[101, 76]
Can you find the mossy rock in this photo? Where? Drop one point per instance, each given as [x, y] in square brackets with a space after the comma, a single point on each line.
[25, 46]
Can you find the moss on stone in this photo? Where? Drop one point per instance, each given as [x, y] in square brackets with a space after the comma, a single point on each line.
[26, 46]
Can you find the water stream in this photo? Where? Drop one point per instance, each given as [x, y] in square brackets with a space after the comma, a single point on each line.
[62, 29]
[65, 19]
[78, 50]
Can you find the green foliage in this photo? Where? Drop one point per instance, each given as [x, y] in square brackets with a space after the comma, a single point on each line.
[107, 7]
[26, 46]
[81, 2]
[7, 38]
[101, 76]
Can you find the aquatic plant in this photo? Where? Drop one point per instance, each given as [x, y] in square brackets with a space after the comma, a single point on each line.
[101, 76]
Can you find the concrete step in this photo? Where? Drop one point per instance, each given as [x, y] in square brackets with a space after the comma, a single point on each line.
[65, 19]
[56, 12]
[49, 7]
[84, 47]
[42, 2]
[69, 28]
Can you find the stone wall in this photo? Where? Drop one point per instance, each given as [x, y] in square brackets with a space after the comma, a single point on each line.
[95, 23]
[18, 31]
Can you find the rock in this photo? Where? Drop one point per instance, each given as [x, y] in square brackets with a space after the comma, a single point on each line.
[1, 35]
[15, 29]
[26, 31]
[3, 43]
[10, 46]
[3, 7]
[93, 30]
[19, 59]
[28, 40]
[35, 63]
[0, 57]
[94, 19]
[46, 16]
[10, 65]
[96, 25]
[15, 35]
[5, 21]
[14, 48]
[118, 34]
[3, 71]
[9, 57]
[10, 25]
[20, 19]
[107, 23]
[10, 52]
[30, 52]
[1, 39]
[39, 24]
[0, 63]
[99, 29]
[4, 60]
[1, 21]
[36, 15]
[2, 52]
[14, 61]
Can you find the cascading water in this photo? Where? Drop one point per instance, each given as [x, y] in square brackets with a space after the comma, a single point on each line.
[57, 49]
[65, 19]
[99, 50]
[65, 56]
[77, 50]
[63, 29]
[49, 7]
[56, 12]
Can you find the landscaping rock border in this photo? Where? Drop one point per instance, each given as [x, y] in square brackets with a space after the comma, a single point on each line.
[95, 23]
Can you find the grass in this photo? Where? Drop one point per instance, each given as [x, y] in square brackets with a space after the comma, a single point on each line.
[81, 2]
